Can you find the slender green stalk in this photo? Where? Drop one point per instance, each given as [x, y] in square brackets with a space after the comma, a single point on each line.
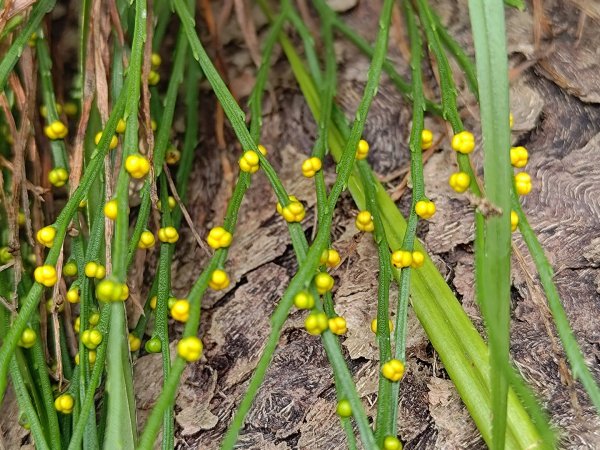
[385, 400]
[87, 402]
[191, 132]
[59, 152]
[121, 423]
[459, 54]
[9, 60]
[25, 404]
[460, 347]
[403, 87]
[311, 262]
[161, 326]
[31, 301]
[418, 193]
[579, 367]
[39, 365]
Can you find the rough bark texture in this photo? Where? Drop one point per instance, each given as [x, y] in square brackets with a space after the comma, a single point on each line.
[554, 101]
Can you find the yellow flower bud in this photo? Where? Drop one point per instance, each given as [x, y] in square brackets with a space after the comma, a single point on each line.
[311, 166]
[425, 209]
[146, 240]
[523, 183]
[519, 156]
[459, 181]
[190, 348]
[393, 370]
[337, 325]
[168, 234]
[218, 280]
[219, 237]
[304, 300]
[362, 149]
[111, 208]
[249, 162]
[114, 141]
[180, 311]
[323, 282]
[64, 403]
[364, 221]
[46, 275]
[58, 177]
[46, 235]
[316, 322]
[463, 142]
[426, 139]
[137, 166]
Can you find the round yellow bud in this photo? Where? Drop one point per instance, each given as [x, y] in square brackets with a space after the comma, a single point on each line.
[218, 280]
[46, 275]
[58, 177]
[153, 78]
[137, 166]
[417, 259]
[56, 130]
[426, 139]
[514, 221]
[134, 342]
[46, 235]
[519, 156]
[337, 325]
[146, 240]
[523, 183]
[393, 370]
[114, 141]
[304, 300]
[362, 149]
[311, 166]
[316, 322]
[190, 348]
[64, 403]
[168, 234]
[249, 162]
[392, 443]
[70, 269]
[219, 237]
[155, 60]
[28, 338]
[425, 209]
[91, 338]
[180, 311]
[73, 295]
[463, 142]
[459, 181]
[111, 208]
[323, 282]
[121, 126]
[374, 325]
[401, 259]
[364, 221]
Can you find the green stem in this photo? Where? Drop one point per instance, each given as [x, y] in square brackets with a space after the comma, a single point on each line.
[62, 222]
[385, 400]
[579, 367]
[25, 404]
[9, 60]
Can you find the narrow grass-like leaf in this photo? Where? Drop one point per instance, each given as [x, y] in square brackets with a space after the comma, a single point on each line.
[492, 264]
